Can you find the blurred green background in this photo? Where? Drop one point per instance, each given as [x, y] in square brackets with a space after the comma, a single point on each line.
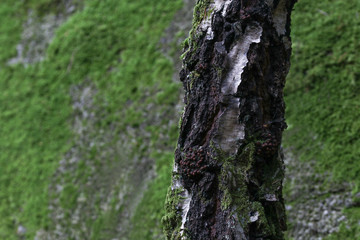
[89, 110]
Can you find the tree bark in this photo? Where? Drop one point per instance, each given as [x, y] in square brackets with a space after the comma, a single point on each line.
[228, 170]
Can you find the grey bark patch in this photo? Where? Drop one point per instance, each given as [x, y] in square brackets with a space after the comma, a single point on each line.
[279, 16]
[230, 132]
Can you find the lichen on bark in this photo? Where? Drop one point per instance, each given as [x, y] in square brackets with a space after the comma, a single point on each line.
[228, 157]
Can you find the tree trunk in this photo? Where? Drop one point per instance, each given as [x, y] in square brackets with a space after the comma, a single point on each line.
[228, 170]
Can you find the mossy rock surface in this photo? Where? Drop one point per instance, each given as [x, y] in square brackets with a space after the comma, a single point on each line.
[322, 101]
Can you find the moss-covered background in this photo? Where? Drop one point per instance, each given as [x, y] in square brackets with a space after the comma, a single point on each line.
[89, 110]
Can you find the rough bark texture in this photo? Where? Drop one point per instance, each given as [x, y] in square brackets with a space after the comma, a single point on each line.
[228, 171]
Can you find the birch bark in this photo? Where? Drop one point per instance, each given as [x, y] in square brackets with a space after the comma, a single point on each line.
[228, 170]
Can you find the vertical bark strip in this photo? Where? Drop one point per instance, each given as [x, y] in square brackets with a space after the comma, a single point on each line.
[228, 170]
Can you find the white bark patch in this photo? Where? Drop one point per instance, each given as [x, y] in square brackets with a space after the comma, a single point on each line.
[185, 209]
[255, 217]
[271, 197]
[176, 183]
[215, 6]
[238, 57]
[226, 4]
[279, 17]
[185, 201]
[175, 168]
[230, 131]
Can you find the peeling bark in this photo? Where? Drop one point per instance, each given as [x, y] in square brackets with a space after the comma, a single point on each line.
[228, 170]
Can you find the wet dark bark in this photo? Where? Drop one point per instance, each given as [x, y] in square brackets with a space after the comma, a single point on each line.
[228, 172]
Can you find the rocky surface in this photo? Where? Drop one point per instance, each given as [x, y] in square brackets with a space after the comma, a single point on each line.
[110, 175]
[39, 30]
[314, 202]
[121, 170]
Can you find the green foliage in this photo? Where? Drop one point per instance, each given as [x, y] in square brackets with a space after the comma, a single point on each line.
[33, 131]
[322, 91]
[322, 88]
[115, 45]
